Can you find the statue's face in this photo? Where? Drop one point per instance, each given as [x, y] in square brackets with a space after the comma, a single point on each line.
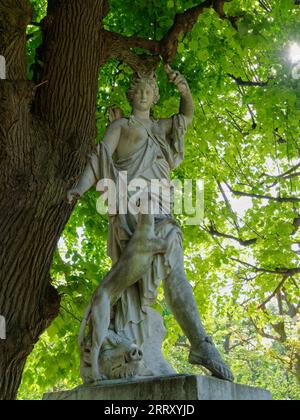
[143, 97]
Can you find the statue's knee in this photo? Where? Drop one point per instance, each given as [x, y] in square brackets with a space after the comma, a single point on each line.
[177, 279]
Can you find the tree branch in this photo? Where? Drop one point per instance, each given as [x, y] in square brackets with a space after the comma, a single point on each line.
[296, 225]
[276, 291]
[184, 23]
[119, 46]
[264, 197]
[262, 332]
[288, 272]
[228, 205]
[214, 232]
[71, 314]
[286, 175]
[117, 41]
[240, 82]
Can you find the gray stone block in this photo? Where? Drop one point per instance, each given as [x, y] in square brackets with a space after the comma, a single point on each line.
[172, 388]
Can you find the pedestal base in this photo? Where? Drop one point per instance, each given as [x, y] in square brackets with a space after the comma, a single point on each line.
[170, 388]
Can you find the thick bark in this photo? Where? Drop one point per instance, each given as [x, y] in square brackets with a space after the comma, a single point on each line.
[45, 135]
[15, 15]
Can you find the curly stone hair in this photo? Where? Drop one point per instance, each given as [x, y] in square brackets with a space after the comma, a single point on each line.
[137, 79]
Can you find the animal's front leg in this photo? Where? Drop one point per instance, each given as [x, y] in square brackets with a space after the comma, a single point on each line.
[101, 321]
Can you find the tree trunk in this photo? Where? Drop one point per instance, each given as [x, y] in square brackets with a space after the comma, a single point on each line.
[46, 133]
[30, 228]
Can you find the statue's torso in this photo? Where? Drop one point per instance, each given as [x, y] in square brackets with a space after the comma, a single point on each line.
[134, 135]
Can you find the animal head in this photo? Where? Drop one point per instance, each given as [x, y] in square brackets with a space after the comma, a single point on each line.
[122, 361]
[119, 358]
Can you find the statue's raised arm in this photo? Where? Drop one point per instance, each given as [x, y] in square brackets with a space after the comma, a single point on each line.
[187, 107]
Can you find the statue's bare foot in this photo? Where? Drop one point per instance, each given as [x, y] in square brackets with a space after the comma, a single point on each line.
[209, 357]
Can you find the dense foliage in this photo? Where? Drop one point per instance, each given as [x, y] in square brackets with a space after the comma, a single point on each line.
[243, 262]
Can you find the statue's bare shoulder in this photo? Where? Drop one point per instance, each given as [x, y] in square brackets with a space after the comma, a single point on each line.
[113, 133]
[118, 123]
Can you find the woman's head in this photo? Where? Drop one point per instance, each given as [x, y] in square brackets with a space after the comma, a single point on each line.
[143, 92]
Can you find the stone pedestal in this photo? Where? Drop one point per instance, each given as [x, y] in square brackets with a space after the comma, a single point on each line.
[170, 388]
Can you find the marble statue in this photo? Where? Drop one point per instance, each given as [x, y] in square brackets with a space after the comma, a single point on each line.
[145, 249]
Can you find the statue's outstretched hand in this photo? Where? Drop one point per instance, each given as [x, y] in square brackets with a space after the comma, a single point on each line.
[177, 78]
[73, 195]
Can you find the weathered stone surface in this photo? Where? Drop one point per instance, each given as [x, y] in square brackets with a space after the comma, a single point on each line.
[172, 388]
[153, 357]
[145, 243]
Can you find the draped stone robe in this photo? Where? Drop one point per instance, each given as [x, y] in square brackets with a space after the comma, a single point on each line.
[154, 160]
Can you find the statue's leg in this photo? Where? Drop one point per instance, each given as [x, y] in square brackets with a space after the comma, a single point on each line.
[134, 261]
[101, 322]
[180, 298]
[123, 275]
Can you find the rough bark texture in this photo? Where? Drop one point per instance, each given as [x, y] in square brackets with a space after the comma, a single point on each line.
[47, 130]
[45, 135]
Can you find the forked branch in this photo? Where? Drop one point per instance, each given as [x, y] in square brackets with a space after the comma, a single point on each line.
[121, 47]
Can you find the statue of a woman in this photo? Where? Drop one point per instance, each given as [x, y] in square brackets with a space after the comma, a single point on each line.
[148, 149]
